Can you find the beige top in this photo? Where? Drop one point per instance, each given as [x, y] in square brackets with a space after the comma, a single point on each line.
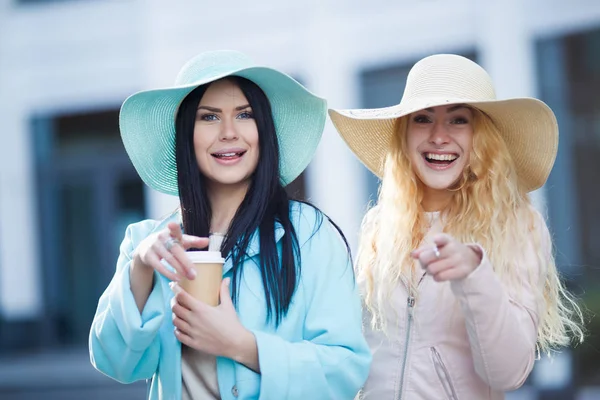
[199, 369]
[198, 375]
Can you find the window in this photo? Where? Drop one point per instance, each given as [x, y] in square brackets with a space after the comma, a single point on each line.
[569, 81]
[88, 192]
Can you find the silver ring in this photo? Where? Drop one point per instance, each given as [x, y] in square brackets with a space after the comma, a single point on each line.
[170, 243]
[436, 252]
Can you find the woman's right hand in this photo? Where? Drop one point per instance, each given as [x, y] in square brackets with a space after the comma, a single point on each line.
[170, 245]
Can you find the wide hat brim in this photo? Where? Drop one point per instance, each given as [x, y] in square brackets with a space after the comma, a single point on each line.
[527, 125]
[147, 124]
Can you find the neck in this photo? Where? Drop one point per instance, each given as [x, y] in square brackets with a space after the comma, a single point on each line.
[435, 199]
[224, 203]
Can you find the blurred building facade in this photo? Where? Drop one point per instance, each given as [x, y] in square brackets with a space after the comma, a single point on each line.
[67, 189]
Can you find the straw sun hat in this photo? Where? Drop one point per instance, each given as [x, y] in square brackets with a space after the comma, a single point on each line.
[147, 118]
[527, 125]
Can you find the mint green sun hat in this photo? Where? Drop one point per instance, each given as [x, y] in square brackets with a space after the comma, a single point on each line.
[147, 118]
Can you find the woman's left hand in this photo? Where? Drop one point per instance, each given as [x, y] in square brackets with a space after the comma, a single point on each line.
[213, 330]
[448, 259]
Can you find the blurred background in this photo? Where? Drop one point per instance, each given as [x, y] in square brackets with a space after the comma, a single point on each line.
[68, 190]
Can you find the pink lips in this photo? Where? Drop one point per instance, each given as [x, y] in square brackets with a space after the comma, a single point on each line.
[229, 156]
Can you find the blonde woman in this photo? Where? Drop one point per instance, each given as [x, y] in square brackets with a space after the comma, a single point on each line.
[455, 264]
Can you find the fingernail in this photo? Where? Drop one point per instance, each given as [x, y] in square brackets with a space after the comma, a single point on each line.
[192, 273]
[174, 287]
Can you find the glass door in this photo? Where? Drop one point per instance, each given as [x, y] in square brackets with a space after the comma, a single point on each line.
[88, 193]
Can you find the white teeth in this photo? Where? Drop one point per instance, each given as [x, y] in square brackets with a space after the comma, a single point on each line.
[441, 157]
[226, 154]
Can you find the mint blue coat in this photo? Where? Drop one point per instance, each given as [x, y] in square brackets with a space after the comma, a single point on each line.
[317, 352]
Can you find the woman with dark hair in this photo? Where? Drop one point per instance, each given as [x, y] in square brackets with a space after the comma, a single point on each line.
[227, 139]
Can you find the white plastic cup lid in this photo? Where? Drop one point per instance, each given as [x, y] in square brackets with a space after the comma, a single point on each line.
[205, 256]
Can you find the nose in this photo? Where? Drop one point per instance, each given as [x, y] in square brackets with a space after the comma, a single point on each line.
[228, 131]
[439, 134]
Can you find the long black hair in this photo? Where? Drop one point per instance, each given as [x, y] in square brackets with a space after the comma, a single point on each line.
[265, 202]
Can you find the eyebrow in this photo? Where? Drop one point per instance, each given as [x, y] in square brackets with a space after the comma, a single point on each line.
[450, 109]
[218, 110]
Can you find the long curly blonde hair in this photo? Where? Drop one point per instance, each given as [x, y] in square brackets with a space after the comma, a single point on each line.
[502, 220]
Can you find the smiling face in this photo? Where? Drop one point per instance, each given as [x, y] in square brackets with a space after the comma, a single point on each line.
[225, 135]
[439, 142]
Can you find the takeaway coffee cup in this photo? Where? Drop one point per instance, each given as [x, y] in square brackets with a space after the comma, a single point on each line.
[209, 274]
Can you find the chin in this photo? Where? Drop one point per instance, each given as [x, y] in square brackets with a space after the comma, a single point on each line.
[440, 184]
[231, 181]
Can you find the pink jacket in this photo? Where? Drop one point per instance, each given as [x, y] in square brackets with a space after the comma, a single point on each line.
[459, 340]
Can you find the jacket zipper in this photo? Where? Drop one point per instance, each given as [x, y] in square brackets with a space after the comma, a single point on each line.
[410, 304]
[409, 315]
[443, 374]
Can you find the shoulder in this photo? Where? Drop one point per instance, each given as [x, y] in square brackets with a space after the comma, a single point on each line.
[539, 229]
[313, 225]
[371, 215]
[138, 231]
[304, 215]
[324, 252]
[538, 219]
[306, 219]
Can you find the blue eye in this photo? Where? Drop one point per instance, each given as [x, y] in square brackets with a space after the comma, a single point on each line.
[208, 117]
[246, 115]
